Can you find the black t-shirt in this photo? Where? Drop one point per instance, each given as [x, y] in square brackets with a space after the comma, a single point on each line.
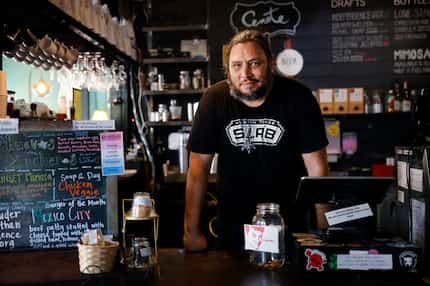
[259, 149]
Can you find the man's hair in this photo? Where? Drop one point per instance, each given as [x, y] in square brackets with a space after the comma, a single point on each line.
[249, 36]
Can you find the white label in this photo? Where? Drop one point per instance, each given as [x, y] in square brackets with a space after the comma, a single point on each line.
[146, 251]
[325, 95]
[340, 95]
[401, 196]
[416, 179]
[262, 238]
[418, 222]
[348, 214]
[142, 201]
[356, 95]
[365, 261]
[9, 126]
[402, 168]
[93, 124]
[289, 62]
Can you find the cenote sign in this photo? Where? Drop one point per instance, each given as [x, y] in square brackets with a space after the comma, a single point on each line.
[270, 17]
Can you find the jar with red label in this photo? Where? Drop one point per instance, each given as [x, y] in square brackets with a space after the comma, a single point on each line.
[269, 237]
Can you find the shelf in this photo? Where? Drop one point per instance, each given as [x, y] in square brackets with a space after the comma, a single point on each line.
[385, 115]
[174, 60]
[174, 91]
[173, 28]
[169, 123]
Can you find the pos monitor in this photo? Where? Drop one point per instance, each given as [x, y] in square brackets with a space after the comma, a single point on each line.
[342, 192]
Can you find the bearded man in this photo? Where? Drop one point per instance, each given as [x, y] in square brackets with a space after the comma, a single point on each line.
[268, 132]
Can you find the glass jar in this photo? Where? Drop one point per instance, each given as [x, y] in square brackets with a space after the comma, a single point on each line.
[268, 215]
[198, 79]
[141, 252]
[164, 113]
[184, 80]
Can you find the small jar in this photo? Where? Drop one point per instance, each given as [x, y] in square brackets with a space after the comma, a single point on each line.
[198, 79]
[184, 80]
[164, 113]
[268, 215]
[141, 251]
[175, 110]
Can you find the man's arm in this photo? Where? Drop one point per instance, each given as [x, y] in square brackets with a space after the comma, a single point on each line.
[316, 162]
[197, 181]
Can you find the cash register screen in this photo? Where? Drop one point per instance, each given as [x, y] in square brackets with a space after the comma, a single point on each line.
[342, 192]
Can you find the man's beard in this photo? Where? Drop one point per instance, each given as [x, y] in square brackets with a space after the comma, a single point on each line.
[259, 93]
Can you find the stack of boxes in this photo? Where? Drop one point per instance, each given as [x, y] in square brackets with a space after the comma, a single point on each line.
[341, 100]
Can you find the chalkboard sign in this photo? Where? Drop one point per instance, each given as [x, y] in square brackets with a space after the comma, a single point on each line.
[51, 189]
[344, 43]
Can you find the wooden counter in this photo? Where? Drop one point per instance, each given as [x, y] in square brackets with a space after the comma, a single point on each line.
[60, 267]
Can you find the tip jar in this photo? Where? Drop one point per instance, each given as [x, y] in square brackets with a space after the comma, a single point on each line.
[268, 225]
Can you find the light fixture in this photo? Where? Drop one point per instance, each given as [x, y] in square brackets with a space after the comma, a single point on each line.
[100, 114]
[41, 87]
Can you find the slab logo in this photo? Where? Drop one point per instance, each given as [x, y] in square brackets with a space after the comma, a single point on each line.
[408, 261]
[269, 17]
[316, 259]
[248, 133]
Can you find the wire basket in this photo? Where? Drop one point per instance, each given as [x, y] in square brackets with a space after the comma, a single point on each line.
[95, 259]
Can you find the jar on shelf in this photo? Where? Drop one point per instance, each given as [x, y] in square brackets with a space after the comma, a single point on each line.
[198, 79]
[141, 252]
[175, 110]
[184, 80]
[268, 215]
[163, 112]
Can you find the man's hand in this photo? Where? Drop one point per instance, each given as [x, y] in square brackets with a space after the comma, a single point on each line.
[195, 242]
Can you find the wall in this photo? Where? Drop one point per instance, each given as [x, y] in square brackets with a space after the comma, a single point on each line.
[21, 75]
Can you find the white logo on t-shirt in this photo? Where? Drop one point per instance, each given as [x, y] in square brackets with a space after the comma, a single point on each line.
[247, 133]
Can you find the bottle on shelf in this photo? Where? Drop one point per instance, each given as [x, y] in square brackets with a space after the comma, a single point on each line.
[406, 105]
[377, 106]
[368, 103]
[389, 101]
[397, 97]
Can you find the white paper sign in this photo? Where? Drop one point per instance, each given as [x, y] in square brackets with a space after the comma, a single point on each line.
[402, 168]
[418, 222]
[112, 151]
[417, 179]
[262, 238]
[348, 214]
[9, 126]
[365, 261]
[93, 124]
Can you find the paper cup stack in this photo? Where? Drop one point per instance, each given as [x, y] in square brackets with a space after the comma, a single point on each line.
[3, 95]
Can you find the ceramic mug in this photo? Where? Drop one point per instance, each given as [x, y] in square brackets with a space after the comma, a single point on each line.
[48, 46]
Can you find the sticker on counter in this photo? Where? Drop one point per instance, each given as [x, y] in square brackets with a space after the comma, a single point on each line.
[112, 151]
[262, 238]
[408, 261]
[315, 259]
[9, 126]
[348, 214]
[365, 261]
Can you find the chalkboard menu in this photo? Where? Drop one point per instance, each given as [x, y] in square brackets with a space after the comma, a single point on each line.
[51, 188]
[344, 43]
